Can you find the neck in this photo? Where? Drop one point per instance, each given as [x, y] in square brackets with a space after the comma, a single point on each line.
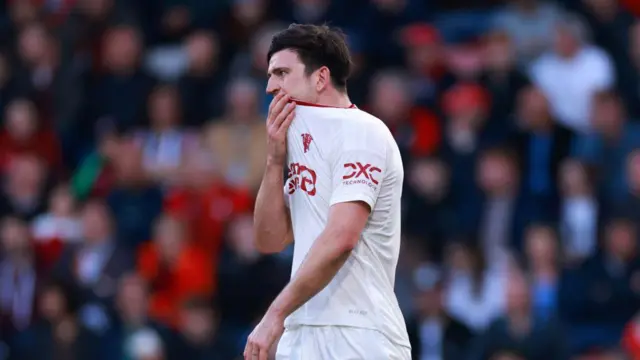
[334, 99]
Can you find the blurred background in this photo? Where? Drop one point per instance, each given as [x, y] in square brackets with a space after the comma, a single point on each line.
[132, 145]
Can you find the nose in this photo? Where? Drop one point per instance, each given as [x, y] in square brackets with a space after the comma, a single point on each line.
[272, 87]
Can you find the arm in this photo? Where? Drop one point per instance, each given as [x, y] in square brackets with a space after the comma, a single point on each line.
[272, 221]
[327, 255]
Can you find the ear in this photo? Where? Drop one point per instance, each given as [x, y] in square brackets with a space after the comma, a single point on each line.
[323, 78]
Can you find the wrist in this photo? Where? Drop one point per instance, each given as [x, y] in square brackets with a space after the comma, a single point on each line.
[275, 162]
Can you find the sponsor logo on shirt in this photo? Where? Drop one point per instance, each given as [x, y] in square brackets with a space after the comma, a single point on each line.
[359, 173]
[301, 177]
[306, 141]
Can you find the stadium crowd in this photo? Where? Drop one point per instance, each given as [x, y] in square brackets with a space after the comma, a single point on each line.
[132, 145]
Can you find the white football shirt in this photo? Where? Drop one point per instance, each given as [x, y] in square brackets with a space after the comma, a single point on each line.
[340, 155]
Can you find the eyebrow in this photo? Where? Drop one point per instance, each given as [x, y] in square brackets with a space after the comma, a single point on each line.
[269, 73]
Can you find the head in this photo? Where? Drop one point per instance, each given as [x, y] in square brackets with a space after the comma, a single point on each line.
[243, 98]
[499, 54]
[308, 62]
[466, 106]
[122, 46]
[24, 12]
[55, 302]
[16, 241]
[241, 238]
[430, 177]
[390, 97]
[26, 176]
[574, 179]
[96, 222]
[169, 235]
[197, 320]
[465, 257]
[95, 9]
[542, 248]
[198, 169]
[423, 46]
[518, 296]
[533, 112]
[61, 202]
[497, 172]
[202, 49]
[248, 12]
[128, 167]
[571, 34]
[603, 10]
[21, 119]
[34, 43]
[633, 171]
[608, 113]
[131, 300]
[621, 238]
[164, 107]
[109, 144]
[427, 280]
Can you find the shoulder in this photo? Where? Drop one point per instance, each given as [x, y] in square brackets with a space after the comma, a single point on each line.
[357, 129]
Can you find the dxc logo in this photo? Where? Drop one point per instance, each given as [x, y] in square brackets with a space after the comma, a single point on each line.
[301, 177]
[358, 170]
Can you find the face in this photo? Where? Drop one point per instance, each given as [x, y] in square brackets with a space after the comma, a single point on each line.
[95, 223]
[132, 297]
[573, 178]
[61, 202]
[287, 73]
[169, 236]
[15, 236]
[27, 174]
[52, 303]
[541, 245]
[498, 53]
[621, 239]
[121, 49]
[517, 292]
[495, 173]
[390, 98]
[565, 43]
[633, 170]
[533, 109]
[202, 49]
[242, 239]
[606, 116]
[21, 119]
[242, 97]
[430, 177]
[32, 43]
[164, 108]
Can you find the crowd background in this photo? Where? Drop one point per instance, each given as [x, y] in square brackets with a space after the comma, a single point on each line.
[132, 145]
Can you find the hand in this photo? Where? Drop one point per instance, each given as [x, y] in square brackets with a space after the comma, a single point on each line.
[263, 336]
[281, 114]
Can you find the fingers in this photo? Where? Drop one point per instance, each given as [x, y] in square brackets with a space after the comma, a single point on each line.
[279, 104]
[264, 353]
[274, 101]
[287, 121]
[283, 115]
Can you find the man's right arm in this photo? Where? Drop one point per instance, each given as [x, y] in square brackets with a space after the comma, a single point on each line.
[272, 220]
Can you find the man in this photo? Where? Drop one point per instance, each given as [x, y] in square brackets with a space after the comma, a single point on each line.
[341, 205]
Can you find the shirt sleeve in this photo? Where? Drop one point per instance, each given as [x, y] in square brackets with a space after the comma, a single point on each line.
[358, 173]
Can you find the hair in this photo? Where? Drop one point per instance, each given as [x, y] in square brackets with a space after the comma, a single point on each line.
[316, 46]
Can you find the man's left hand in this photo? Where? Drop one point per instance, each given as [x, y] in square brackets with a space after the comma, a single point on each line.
[263, 336]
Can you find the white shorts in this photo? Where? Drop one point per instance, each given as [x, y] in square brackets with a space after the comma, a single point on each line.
[338, 343]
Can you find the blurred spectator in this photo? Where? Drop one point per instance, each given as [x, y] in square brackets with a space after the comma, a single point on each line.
[24, 188]
[18, 277]
[121, 89]
[542, 145]
[530, 25]
[475, 291]
[95, 174]
[200, 336]
[598, 298]
[175, 268]
[519, 333]
[416, 129]
[24, 134]
[246, 17]
[501, 78]
[164, 145]
[94, 266]
[543, 263]
[55, 228]
[239, 139]
[206, 202]
[572, 74]
[134, 199]
[579, 211]
[429, 204]
[59, 334]
[629, 82]
[607, 149]
[132, 321]
[201, 87]
[263, 276]
[435, 334]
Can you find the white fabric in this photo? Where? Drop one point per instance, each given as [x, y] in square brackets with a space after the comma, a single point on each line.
[350, 156]
[570, 84]
[338, 342]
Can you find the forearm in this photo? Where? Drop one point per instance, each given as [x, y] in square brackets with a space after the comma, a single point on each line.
[271, 218]
[324, 260]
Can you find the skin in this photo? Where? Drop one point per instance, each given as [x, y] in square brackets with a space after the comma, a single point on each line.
[288, 81]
